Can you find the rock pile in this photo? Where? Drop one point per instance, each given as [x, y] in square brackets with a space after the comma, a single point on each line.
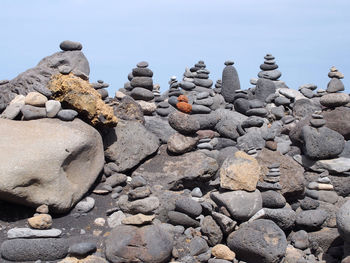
[192, 175]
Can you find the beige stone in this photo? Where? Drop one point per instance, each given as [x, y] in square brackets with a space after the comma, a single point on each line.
[48, 161]
[147, 107]
[89, 259]
[100, 221]
[179, 143]
[139, 219]
[43, 209]
[119, 95]
[35, 99]
[18, 99]
[82, 97]
[223, 252]
[43, 221]
[240, 172]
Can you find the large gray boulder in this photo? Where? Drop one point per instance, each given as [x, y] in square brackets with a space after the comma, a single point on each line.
[48, 161]
[343, 221]
[149, 244]
[128, 144]
[322, 143]
[264, 87]
[260, 241]
[37, 78]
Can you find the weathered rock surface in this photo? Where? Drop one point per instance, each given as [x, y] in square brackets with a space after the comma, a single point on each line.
[127, 155]
[60, 162]
[76, 93]
[172, 171]
[259, 241]
[149, 244]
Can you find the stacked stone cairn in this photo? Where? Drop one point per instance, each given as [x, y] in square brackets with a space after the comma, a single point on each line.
[230, 82]
[334, 96]
[222, 186]
[307, 91]
[218, 86]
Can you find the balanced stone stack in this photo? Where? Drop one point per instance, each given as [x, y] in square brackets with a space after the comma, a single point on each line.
[272, 178]
[307, 90]
[218, 86]
[322, 189]
[101, 88]
[230, 82]
[164, 109]
[269, 69]
[174, 91]
[315, 145]
[156, 93]
[199, 76]
[334, 97]
[202, 102]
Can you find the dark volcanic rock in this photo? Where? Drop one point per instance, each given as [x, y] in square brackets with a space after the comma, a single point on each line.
[34, 249]
[125, 154]
[173, 171]
[338, 120]
[260, 241]
[149, 244]
[183, 123]
[129, 110]
[230, 83]
[264, 88]
[305, 107]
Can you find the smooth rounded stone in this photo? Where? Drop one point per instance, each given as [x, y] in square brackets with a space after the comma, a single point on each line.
[115, 219]
[200, 75]
[283, 217]
[186, 85]
[206, 83]
[259, 241]
[34, 249]
[116, 179]
[223, 252]
[256, 104]
[205, 102]
[32, 113]
[138, 181]
[273, 199]
[300, 239]
[269, 57]
[270, 74]
[268, 66]
[309, 203]
[287, 119]
[65, 69]
[142, 72]
[242, 105]
[42, 209]
[147, 107]
[52, 108]
[282, 101]
[177, 218]
[11, 111]
[278, 112]
[308, 86]
[49, 164]
[180, 144]
[139, 193]
[230, 83]
[82, 249]
[343, 221]
[317, 123]
[103, 93]
[163, 104]
[205, 145]
[143, 82]
[41, 221]
[198, 246]
[188, 206]
[332, 100]
[200, 109]
[32, 233]
[240, 204]
[325, 196]
[164, 112]
[288, 93]
[85, 205]
[335, 85]
[142, 64]
[196, 192]
[68, 45]
[315, 145]
[35, 99]
[210, 229]
[67, 115]
[320, 186]
[262, 112]
[227, 129]
[183, 123]
[252, 122]
[311, 219]
[148, 244]
[144, 206]
[202, 95]
[141, 94]
[229, 62]
[307, 93]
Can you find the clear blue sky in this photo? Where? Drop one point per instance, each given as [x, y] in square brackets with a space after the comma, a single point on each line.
[307, 37]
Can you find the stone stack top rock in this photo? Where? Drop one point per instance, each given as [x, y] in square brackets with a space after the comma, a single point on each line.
[69, 45]
[335, 84]
[272, 178]
[317, 120]
[269, 69]
[230, 82]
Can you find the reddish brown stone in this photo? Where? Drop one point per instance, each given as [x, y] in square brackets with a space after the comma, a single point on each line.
[184, 107]
[272, 145]
[182, 98]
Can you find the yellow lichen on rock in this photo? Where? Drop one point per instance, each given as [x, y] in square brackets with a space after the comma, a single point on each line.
[79, 95]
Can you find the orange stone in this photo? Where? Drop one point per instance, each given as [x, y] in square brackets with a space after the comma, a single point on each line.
[184, 107]
[182, 98]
